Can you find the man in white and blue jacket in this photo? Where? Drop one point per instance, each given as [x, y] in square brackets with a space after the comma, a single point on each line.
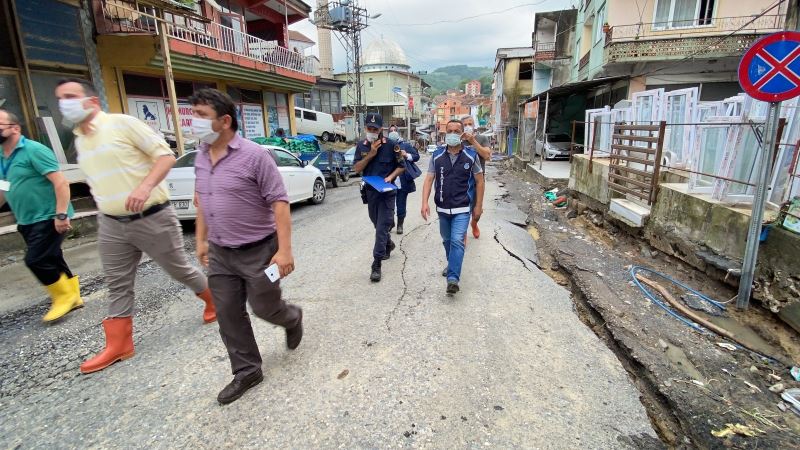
[457, 174]
[405, 182]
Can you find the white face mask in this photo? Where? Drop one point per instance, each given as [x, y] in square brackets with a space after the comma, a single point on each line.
[72, 109]
[468, 129]
[372, 137]
[452, 139]
[201, 129]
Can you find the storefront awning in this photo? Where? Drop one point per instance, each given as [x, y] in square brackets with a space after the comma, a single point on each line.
[569, 88]
[192, 65]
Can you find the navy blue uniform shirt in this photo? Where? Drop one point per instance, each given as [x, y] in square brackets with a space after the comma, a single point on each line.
[383, 164]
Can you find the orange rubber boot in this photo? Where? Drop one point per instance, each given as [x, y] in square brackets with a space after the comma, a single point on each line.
[119, 344]
[209, 313]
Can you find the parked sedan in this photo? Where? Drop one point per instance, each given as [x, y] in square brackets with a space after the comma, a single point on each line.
[302, 182]
[556, 145]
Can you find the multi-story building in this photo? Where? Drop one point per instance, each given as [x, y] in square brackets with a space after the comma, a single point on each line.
[473, 88]
[452, 108]
[668, 43]
[513, 84]
[238, 46]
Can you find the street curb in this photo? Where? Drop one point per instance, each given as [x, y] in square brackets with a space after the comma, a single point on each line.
[83, 224]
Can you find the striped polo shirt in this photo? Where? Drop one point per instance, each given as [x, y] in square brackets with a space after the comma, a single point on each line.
[116, 156]
[237, 193]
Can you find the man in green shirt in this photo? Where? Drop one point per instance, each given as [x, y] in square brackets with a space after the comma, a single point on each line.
[38, 194]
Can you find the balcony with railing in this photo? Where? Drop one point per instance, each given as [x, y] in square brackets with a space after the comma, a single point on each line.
[714, 37]
[126, 17]
[545, 51]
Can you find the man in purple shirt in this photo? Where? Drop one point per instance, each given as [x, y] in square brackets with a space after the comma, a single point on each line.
[243, 227]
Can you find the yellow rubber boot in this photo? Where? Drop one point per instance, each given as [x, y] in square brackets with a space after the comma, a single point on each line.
[63, 298]
[75, 291]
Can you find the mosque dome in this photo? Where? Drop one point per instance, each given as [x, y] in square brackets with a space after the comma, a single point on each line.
[383, 54]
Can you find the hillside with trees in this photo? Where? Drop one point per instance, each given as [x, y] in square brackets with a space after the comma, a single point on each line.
[455, 77]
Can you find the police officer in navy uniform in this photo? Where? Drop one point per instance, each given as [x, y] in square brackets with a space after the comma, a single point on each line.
[405, 182]
[375, 156]
[457, 173]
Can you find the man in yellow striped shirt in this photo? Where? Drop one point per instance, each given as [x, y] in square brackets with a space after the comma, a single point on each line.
[125, 163]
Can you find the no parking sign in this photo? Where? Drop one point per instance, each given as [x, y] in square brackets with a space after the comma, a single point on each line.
[770, 69]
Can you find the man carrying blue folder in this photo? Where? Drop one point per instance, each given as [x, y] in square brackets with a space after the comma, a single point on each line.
[378, 164]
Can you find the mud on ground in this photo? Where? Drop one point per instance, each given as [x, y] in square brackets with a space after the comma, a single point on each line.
[690, 385]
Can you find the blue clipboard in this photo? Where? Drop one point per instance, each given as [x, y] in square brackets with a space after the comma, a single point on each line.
[378, 184]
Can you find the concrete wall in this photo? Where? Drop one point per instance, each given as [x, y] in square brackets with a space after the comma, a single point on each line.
[712, 224]
[593, 185]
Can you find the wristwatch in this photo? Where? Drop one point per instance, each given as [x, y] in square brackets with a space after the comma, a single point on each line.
[62, 216]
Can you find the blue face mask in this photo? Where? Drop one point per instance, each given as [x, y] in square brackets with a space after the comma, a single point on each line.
[452, 139]
[394, 136]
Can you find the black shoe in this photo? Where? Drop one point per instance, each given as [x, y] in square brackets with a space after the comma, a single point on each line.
[452, 287]
[375, 276]
[295, 335]
[444, 272]
[400, 221]
[238, 387]
[389, 248]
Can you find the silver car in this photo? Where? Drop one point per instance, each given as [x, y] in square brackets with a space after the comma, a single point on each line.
[556, 145]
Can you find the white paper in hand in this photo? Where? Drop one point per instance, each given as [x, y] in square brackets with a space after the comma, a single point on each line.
[273, 273]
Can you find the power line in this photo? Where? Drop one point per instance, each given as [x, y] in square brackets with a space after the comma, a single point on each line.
[463, 18]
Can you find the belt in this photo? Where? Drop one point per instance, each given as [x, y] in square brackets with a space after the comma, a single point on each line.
[250, 245]
[147, 212]
[453, 211]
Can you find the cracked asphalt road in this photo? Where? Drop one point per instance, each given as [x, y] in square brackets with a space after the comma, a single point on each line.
[504, 363]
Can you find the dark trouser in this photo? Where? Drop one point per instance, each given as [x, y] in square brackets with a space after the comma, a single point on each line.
[236, 276]
[381, 213]
[44, 256]
[402, 200]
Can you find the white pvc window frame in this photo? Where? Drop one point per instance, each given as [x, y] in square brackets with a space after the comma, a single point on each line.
[703, 184]
[589, 126]
[677, 150]
[656, 113]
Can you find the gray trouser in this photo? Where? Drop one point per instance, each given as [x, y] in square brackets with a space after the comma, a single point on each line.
[236, 276]
[121, 245]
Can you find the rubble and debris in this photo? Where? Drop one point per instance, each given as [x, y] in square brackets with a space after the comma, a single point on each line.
[732, 429]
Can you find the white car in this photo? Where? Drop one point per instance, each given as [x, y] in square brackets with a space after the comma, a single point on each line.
[303, 182]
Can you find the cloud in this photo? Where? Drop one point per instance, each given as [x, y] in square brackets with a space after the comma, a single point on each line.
[472, 42]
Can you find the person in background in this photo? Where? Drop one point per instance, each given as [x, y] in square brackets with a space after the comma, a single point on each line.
[38, 195]
[480, 144]
[244, 226]
[125, 163]
[375, 156]
[458, 176]
[405, 182]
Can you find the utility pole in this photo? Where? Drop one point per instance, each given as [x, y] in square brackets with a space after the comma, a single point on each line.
[348, 19]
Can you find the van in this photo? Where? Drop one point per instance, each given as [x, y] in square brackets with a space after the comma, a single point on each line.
[317, 123]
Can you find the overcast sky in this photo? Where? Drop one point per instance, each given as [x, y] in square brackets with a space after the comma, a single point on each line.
[472, 42]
